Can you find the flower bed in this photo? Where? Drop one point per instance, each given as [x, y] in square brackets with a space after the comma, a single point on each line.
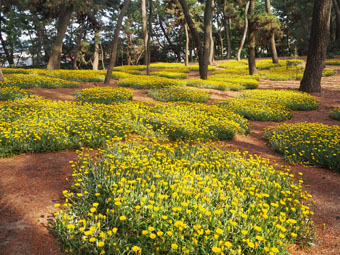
[150, 82]
[255, 109]
[12, 93]
[333, 62]
[308, 143]
[214, 84]
[151, 198]
[104, 95]
[174, 94]
[293, 100]
[335, 113]
[171, 75]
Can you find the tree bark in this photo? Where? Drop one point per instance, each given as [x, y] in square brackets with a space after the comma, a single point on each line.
[311, 81]
[186, 44]
[149, 37]
[227, 30]
[211, 40]
[252, 40]
[244, 32]
[146, 35]
[272, 37]
[64, 20]
[2, 78]
[115, 41]
[78, 46]
[337, 19]
[96, 50]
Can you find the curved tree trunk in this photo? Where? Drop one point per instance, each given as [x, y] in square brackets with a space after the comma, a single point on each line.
[64, 20]
[252, 40]
[186, 44]
[115, 41]
[96, 51]
[272, 37]
[311, 81]
[244, 32]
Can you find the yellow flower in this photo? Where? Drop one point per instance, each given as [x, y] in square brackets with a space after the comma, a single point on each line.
[216, 249]
[135, 248]
[152, 236]
[100, 244]
[174, 246]
[122, 218]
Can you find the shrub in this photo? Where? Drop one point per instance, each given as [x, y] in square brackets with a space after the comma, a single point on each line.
[255, 109]
[308, 143]
[147, 81]
[151, 198]
[12, 93]
[174, 94]
[335, 113]
[104, 95]
[293, 100]
[26, 81]
[214, 84]
[171, 75]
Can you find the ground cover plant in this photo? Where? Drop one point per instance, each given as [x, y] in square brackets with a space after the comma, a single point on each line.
[149, 82]
[214, 84]
[36, 125]
[335, 113]
[121, 75]
[26, 81]
[104, 95]
[333, 62]
[174, 94]
[309, 143]
[255, 109]
[196, 68]
[293, 100]
[12, 93]
[171, 75]
[152, 198]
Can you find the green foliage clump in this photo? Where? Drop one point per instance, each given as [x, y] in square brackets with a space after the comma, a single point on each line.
[149, 82]
[214, 84]
[255, 109]
[309, 143]
[104, 95]
[293, 100]
[174, 94]
[171, 75]
[152, 198]
[335, 113]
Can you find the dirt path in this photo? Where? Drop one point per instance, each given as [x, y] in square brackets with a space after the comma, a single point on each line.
[31, 184]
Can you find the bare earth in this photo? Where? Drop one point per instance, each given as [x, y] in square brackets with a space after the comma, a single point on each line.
[31, 184]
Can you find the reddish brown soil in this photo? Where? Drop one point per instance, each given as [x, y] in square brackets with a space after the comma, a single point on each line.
[31, 184]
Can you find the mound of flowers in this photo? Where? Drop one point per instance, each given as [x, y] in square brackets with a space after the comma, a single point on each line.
[173, 94]
[78, 75]
[149, 82]
[309, 143]
[152, 198]
[255, 109]
[214, 84]
[104, 95]
[171, 75]
[12, 93]
[335, 113]
[36, 125]
[293, 100]
[33, 80]
[333, 62]
[196, 68]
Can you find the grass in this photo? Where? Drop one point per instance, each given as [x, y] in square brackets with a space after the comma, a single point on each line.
[136, 198]
[104, 95]
[175, 94]
[308, 143]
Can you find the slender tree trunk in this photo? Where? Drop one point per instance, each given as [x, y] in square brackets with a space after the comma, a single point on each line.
[337, 19]
[244, 32]
[64, 19]
[115, 41]
[149, 37]
[211, 39]
[96, 51]
[2, 78]
[311, 81]
[227, 30]
[102, 57]
[186, 44]
[208, 40]
[272, 37]
[252, 40]
[146, 36]
[78, 46]
[221, 42]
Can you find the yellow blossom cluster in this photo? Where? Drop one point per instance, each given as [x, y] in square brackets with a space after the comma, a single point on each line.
[309, 143]
[152, 198]
[332, 62]
[171, 75]
[12, 93]
[150, 82]
[174, 94]
[104, 95]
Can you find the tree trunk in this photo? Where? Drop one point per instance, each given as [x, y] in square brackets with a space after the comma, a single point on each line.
[64, 19]
[96, 51]
[102, 56]
[115, 41]
[149, 37]
[2, 78]
[186, 44]
[211, 45]
[311, 81]
[244, 32]
[146, 36]
[337, 19]
[227, 30]
[78, 46]
[208, 42]
[252, 40]
[272, 37]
